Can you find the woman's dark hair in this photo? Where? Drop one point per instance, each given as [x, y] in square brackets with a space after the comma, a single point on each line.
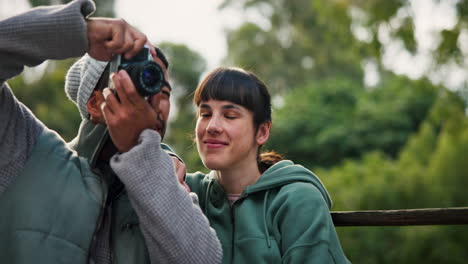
[243, 88]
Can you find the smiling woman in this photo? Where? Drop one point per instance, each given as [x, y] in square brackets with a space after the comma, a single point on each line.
[222, 144]
[234, 120]
[264, 209]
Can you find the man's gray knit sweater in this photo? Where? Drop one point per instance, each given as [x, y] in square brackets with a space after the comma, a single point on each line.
[174, 228]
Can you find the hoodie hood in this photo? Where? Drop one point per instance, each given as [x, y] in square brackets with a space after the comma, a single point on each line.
[286, 172]
[287, 205]
[90, 140]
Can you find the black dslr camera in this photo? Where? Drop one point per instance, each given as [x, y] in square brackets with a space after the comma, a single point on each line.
[146, 75]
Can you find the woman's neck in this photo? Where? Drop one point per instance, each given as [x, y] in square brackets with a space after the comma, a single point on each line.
[235, 180]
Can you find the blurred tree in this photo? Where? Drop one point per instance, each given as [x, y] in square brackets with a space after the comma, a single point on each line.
[429, 172]
[303, 40]
[336, 118]
[185, 69]
[310, 39]
[47, 99]
[322, 45]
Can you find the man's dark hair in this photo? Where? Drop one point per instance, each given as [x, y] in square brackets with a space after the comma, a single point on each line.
[161, 56]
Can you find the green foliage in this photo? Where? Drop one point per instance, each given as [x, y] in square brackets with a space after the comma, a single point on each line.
[333, 119]
[185, 69]
[185, 65]
[406, 34]
[300, 44]
[430, 172]
[462, 10]
[448, 48]
[299, 127]
[47, 100]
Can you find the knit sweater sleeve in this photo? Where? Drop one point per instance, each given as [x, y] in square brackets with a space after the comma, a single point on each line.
[28, 39]
[175, 229]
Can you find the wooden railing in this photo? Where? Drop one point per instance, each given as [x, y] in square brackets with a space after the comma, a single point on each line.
[409, 217]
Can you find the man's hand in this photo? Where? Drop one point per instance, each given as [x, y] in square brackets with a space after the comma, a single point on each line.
[180, 170]
[126, 118]
[108, 36]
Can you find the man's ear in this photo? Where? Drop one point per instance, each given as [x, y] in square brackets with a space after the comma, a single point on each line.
[94, 107]
[263, 133]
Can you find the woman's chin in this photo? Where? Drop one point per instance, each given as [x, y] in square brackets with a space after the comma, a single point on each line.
[213, 165]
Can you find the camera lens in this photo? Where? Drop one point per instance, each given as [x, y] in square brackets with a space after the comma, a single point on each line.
[150, 76]
[146, 76]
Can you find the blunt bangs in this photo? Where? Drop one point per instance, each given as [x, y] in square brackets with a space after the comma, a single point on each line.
[228, 84]
[237, 86]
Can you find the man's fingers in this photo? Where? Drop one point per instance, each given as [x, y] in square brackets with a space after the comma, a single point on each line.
[102, 96]
[116, 40]
[116, 80]
[111, 101]
[130, 90]
[97, 33]
[127, 44]
[152, 50]
[109, 116]
[106, 93]
[138, 40]
[113, 36]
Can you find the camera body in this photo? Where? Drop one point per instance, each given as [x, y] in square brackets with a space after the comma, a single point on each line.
[146, 75]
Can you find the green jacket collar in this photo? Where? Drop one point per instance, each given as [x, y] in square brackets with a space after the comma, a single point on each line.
[90, 140]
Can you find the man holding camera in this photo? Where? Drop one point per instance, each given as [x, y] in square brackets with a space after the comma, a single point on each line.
[111, 196]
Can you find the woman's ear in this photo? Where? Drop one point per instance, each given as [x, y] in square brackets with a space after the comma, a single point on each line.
[263, 133]
[94, 107]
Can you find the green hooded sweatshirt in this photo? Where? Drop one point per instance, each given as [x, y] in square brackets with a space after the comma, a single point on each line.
[283, 218]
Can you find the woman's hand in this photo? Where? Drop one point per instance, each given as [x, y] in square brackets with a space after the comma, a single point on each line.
[180, 170]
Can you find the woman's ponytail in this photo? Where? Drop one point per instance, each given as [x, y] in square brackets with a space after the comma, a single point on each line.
[267, 159]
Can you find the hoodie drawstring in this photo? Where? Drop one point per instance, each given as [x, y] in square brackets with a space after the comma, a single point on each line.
[265, 220]
[207, 197]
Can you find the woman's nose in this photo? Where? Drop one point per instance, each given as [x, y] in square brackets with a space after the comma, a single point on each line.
[214, 126]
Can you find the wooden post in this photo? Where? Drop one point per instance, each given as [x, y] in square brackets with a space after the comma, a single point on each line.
[409, 217]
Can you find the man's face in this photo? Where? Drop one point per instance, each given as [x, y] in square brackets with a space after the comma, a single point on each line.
[161, 102]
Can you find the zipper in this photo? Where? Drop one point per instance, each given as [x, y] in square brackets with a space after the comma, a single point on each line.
[233, 221]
